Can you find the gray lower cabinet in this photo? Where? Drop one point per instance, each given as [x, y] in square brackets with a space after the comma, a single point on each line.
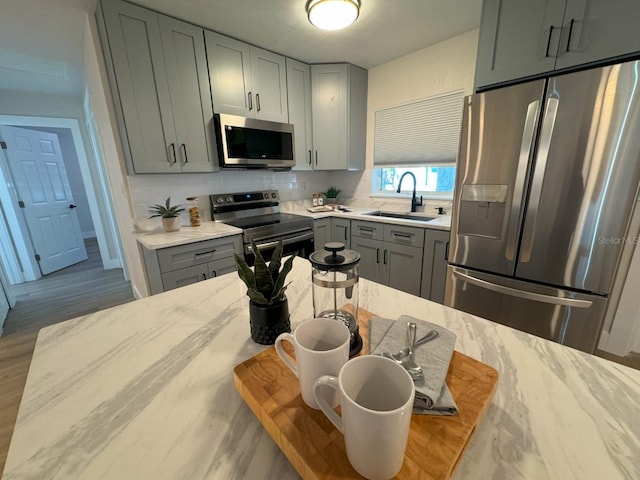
[158, 74]
[321, 232]
[521, 38]
[173, 267]
[390, 254]
[434, 265]
[341, 231]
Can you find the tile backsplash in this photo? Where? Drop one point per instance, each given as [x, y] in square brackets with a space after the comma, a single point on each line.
[151, 189]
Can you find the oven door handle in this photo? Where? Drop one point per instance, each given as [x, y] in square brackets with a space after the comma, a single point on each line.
[285, 241]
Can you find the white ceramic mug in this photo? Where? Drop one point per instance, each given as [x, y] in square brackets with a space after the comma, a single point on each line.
[376, 400]
[322, 348]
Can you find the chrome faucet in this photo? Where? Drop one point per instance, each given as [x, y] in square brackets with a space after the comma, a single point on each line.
[414, 200]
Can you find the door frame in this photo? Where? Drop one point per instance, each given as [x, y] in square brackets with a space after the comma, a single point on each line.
[21, 237]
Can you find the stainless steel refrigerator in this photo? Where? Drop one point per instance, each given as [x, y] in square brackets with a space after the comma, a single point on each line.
[547, 177]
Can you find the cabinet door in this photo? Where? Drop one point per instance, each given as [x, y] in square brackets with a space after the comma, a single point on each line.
[321, 232]
[186, 64]
[402, 267]
[184, 276]
[138, 61]
[270, 84]
[299, 103]
[518, 38]
[598, 30]
[329, 96]
[229, 64]
[341, 231]
[221, 267]
[434, 265]
[370, 266]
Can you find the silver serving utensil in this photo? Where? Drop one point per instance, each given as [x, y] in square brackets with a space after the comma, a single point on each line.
[406, 351]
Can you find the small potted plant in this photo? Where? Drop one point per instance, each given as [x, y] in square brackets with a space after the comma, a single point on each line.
[170, 215]
[268, 305]
[332, 195]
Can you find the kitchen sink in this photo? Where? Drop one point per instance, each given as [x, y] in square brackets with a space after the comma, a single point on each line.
[407, 216]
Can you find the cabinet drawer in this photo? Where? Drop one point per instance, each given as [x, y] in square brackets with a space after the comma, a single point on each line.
[363, 229]
[411, 236]
[198, 253]
[184, 276]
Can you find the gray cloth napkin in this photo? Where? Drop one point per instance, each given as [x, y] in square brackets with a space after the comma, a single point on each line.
[432, 394]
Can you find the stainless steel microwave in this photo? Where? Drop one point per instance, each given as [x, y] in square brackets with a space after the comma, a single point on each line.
[250, 143]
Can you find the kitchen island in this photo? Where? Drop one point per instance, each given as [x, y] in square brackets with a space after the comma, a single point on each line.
[145, 390]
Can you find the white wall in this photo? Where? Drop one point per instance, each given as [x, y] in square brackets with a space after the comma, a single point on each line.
[438, 69]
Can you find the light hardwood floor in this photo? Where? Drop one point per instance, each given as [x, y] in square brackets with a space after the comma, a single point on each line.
[77, 290]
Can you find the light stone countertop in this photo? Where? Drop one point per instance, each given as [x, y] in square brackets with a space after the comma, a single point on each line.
[206, 231]
[145, 391]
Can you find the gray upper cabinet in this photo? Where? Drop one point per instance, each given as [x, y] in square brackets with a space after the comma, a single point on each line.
[246, 80]
[299, 102]
[598, 30]
[339, 106]
[521, 38]
[518, 38]
[159, 81]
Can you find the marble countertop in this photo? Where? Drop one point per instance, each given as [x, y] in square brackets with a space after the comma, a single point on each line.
[441, 222]
[206, 231]
[145, 390]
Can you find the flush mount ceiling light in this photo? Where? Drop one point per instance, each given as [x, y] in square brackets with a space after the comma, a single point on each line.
[333, 14]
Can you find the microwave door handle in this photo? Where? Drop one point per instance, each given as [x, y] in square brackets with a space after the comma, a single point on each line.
[521, 173]
[514, 292]
[531, 216]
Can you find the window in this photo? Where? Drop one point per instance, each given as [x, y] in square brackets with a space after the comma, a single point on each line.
[419, 137]
[436, 181]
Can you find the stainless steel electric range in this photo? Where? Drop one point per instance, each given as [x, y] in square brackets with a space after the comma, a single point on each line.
[258, 215]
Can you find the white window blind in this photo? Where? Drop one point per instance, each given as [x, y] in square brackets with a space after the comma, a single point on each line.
[426, 131]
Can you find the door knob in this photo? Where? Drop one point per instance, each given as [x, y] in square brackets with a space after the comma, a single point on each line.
[72, 206]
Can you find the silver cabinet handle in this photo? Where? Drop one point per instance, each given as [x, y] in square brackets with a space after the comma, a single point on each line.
[569, 36]
[310, 157]
[365, 231]
[250, 101]
[377, 255]
[171, 153]
[316, 158]
[345, 233]
[531, 215]
[521, 173]
[513, 292]
[183, 150]
[258, 101]
[384, 256]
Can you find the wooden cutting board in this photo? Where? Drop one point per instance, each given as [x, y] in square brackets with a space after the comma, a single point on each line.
[316, 449]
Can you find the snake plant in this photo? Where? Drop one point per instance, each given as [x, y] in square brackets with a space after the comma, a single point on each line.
[265, 284]
[166, 211]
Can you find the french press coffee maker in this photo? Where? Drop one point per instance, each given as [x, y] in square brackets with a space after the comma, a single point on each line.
[335, 288]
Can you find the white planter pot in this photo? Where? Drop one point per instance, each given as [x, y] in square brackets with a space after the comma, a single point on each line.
[171, 224]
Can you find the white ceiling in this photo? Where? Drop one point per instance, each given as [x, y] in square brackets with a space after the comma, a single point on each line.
[41, 41]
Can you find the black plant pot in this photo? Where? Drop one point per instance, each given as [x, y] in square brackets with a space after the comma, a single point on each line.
[268, 321]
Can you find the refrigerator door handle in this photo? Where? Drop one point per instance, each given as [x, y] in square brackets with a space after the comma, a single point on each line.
[536, 297]
[521, 173]
[546, 132]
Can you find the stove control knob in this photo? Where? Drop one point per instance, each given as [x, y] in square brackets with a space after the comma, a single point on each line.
[219, 200]
[229, 199]
[266, 196]
[274, 195]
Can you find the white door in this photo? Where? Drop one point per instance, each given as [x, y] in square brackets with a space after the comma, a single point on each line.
[42, 186]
